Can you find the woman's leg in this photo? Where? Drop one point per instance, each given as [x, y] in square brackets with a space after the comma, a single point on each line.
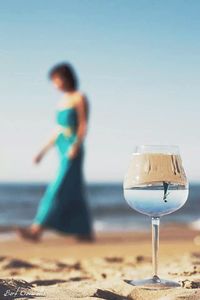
[46, 207]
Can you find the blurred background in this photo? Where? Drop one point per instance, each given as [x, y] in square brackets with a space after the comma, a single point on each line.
[139, 64]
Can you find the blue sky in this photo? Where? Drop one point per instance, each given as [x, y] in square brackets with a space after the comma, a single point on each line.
[138, 62]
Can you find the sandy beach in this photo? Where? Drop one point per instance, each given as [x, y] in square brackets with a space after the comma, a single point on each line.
[61, 268]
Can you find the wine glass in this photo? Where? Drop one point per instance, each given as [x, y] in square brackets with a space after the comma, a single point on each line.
[155, 185]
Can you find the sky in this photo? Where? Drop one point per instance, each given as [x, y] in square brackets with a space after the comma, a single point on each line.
[138, 62]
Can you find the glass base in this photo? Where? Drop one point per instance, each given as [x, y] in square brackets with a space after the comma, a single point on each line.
[154, 283]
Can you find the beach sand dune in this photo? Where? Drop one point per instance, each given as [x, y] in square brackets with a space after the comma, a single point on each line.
[60, 268]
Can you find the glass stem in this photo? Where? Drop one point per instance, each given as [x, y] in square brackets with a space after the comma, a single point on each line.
[155, 246]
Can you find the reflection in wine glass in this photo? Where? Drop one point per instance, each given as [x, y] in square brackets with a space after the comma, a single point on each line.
[155, 185]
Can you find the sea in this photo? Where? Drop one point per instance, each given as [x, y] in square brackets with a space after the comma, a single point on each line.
[110, 212]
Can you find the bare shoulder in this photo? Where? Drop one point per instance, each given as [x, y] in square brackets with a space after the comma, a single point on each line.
[79, 98]
[81, 103]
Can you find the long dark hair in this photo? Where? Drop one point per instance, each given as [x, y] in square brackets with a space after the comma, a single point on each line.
[66, 72]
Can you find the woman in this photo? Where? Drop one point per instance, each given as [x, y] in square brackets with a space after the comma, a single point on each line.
[63, 205]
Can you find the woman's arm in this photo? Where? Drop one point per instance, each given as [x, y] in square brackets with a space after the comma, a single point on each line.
[47, 146]
[80, 106]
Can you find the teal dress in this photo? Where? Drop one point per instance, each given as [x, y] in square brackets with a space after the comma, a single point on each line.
[63, 206]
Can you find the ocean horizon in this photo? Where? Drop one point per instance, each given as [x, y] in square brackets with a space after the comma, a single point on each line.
[110, 212]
